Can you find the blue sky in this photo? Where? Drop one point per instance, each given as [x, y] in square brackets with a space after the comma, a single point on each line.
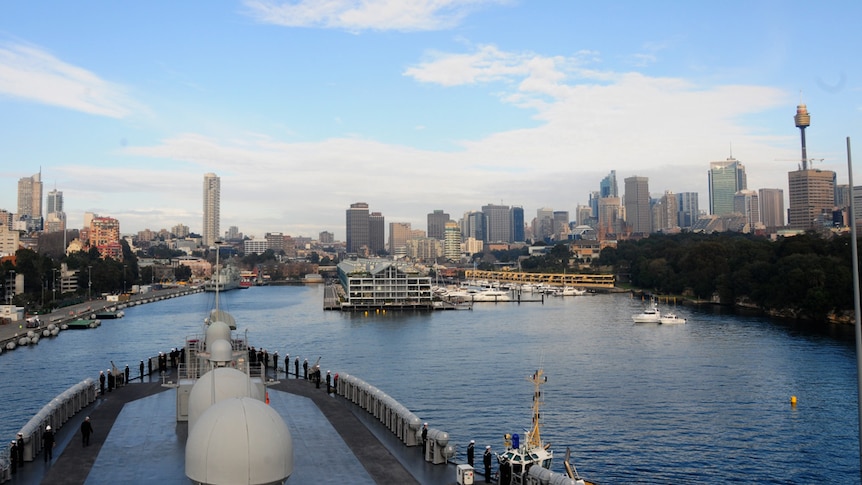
[304, 107]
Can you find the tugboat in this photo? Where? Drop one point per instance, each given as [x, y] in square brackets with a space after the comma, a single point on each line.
[530, 462]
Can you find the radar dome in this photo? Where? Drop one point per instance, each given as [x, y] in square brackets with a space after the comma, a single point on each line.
[217, 330]
[217, 385]
[239, 440]
[220, 351]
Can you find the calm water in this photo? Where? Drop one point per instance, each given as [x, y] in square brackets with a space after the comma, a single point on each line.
[704, 402]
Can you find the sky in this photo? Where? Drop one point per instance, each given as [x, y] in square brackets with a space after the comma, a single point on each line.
[303, 107]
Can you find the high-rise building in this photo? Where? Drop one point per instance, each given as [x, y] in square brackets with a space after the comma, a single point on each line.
[473, 225]
[517, 222]
[498, 223]
[274, 241]
[452, 241]
[54, 201]
[747, 203]
[726, 178]
[376, 233]
[812, 196]
[687, 205]
[357, 227]
[637, 204]
[665, 212]
[436, 223]
[30, 201]
[212, 209]
[561, 225]
[104, 235]
[326, 237]
[608, 186]
[180, 230]
[55, 218]
[543, 225]
[610, 220]
[399, 232]
[772, 207]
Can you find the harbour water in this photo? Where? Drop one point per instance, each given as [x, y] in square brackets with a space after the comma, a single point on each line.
[704, 402]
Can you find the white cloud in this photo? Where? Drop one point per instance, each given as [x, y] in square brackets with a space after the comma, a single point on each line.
[33, 74]
[358, 15]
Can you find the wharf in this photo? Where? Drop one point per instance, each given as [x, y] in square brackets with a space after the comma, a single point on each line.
[136, 435]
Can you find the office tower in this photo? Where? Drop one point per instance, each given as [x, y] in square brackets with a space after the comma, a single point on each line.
[30, 201]
[517, 221]
[608, 186]
[212, 209]
[104, 235]
[842, 196]
[325, 237]
[357, 227]
[399, 232]
[812, 192]
[452, 241]
[498, 223]
[583, 215]
[54, 201]
[376, 233]
[233, 234]
[594, 203]
[610, 218]
[665, 212]
[5, 218]
[543, 225]
[726, 178]
[747, 203]
[436, 222]
[687, 207]
[772, 207]
[637, 204]
[274, 241]
[473, 225]
[180, 230]
[55, 218]
[561, 225]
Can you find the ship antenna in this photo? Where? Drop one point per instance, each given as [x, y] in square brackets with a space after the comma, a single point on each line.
[534, 438]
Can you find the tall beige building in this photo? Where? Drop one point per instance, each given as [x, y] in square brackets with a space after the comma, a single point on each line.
[812, 196]
[212, 208]
[399, 232]
[30, 200]
[772, 207]
[638, 213]
[452, 241]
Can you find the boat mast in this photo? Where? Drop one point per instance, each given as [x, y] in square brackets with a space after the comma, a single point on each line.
[538, 379]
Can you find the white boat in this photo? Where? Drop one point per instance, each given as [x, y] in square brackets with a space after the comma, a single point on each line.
[671, 319]
[532, 458]
[491, 295]
[570, 291]
[650, 314]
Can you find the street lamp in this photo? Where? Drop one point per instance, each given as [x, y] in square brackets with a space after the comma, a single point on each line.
[54, 285]
[124, 279]
[89, 281]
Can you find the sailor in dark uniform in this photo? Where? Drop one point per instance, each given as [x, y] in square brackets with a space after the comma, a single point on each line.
[296, 367]
[305, 369]
[13, 456]
[487, 460]
[101, 382]
[20, 450]
[470, 448]
[48, 443]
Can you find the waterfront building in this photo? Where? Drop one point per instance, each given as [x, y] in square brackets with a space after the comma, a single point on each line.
[517, 222]
[376, 233]
[452, 241]
[212, 208]
[399, 232]
[378, 283]
[812, 196]
[30, 201]
[726, 178]
[637, 204]
[498, 223]
[436, 223]
[357, 227]
[747, 203]
[687, 209]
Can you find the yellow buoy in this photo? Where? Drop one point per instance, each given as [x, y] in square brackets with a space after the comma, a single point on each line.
[793, 400]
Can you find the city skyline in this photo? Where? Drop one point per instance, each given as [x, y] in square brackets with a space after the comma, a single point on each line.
[303, 111]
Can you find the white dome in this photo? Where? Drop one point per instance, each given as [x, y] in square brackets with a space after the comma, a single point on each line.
[227, 382]
[217, 330]
[220, 351]
[239, 440]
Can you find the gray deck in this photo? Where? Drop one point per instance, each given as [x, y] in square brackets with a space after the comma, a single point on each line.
[334, 442]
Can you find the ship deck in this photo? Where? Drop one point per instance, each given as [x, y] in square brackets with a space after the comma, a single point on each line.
[137, 439]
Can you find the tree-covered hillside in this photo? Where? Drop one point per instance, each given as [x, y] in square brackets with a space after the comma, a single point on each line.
[806, 276]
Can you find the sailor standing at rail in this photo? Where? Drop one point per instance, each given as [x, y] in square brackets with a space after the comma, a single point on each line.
[470, 449]
[305, 369]
[328, 382]
[13, 456]
[286, 366]
[102, 383]
[487, 462]
[296, 367]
